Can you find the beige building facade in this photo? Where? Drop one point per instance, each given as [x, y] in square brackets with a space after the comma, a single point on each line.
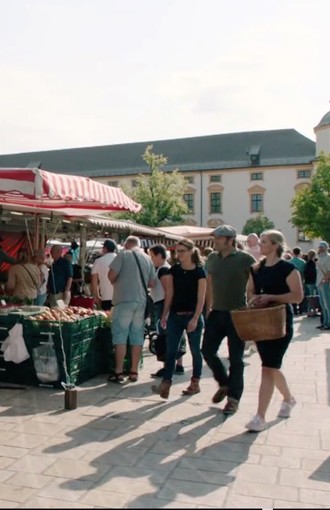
[230, 177]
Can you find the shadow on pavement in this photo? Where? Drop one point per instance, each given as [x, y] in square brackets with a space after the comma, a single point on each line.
[185, 447]
[327, 361]
[322, 473]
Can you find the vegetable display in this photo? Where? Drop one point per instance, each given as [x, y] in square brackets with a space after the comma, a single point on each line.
[67, 314]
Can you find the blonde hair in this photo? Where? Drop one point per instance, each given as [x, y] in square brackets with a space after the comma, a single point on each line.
[195, 255]
[275, 237]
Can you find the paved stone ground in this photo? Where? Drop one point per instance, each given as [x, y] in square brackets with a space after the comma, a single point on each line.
[125, 448]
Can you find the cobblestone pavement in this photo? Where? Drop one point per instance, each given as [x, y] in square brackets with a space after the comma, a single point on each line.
[125, 448]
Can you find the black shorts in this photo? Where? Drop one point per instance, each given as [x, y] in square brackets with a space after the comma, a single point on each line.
[271, 352]
[106, 305]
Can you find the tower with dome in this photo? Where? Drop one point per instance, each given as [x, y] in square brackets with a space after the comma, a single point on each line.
[322, 134]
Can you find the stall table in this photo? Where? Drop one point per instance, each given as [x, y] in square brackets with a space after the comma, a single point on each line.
[83, 349]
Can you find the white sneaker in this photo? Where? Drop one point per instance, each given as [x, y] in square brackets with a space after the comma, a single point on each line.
[286, 408]
[257, 424]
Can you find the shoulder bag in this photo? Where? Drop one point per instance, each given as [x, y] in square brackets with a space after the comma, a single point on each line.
[147, 309]
[33, 280]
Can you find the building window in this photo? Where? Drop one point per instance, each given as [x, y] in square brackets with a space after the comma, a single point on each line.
[114, 184]
[215, 178]
[134, 183]
[215, 203]
[257, 176]
[190, 180]
[189, 199]
[302, 237]
[257, 202]
[303, 174]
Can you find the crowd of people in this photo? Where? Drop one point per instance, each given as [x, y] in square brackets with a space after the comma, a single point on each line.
[192, 298]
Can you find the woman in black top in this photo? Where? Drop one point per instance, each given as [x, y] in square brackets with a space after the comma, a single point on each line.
[273, 280]
[310, 284]
[182, 311]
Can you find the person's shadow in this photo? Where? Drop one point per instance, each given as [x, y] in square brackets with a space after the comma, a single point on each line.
[179, 457]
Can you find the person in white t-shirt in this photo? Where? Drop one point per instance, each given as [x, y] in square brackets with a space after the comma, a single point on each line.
[102, 289]
[253, 248]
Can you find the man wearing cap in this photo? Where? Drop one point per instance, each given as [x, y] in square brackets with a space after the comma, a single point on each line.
[228, 271]
[323, 282]
[102, 289]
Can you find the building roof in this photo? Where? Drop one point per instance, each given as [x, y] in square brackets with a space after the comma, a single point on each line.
[325, 121]
[232, 150]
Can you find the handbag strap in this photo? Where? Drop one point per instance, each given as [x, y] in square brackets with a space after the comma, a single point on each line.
[33, 280]
[141, 274]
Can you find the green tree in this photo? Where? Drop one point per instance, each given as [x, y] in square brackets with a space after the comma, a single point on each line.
[257, 225]
[311, 205]
[160, 193]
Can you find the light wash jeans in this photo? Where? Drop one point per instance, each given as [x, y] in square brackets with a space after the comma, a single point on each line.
[41, 299]
[324, 297]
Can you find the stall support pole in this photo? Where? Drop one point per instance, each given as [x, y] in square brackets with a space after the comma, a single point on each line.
[43, 234]
[36, 236]
[82, 256]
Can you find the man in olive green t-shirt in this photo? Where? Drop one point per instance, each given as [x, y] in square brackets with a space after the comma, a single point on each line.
[228, 272]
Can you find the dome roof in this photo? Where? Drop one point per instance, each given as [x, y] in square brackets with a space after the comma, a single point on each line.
[325, 121]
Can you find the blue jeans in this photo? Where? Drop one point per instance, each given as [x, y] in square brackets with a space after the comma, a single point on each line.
[41, 299]
[310, 289]
[219, 325]
[324, 297]
[176, 325]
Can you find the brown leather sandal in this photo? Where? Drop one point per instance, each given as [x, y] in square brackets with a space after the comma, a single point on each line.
[116, 378]
[133, 376]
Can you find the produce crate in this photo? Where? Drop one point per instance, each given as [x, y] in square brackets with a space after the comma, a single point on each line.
[22, 373]
[79, 342]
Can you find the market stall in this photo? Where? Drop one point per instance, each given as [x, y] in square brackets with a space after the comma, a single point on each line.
[43, 196]
[62, 345]
[202, 236]
[46, 194]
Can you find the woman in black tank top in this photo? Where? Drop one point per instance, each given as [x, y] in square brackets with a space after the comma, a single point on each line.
[273, 280]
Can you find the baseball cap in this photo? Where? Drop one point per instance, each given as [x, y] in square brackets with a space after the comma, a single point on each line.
[323, 244]
[110, 245]
[224, 231]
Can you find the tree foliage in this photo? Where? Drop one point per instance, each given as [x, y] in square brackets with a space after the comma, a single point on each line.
[160, 193]
[311, 205]
[257, 225]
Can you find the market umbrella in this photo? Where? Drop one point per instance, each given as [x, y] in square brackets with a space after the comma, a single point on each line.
[36, 190]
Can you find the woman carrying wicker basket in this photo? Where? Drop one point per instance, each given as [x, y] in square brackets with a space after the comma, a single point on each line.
[273, 280]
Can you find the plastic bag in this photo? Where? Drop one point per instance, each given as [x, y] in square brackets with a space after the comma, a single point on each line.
[14, 348]
[45, 362]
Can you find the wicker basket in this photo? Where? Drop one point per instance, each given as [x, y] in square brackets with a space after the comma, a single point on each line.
[260, 323]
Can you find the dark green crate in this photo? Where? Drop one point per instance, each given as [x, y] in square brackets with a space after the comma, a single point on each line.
[82, 346]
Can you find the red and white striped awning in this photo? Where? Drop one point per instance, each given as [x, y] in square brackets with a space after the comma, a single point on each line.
[35, 188]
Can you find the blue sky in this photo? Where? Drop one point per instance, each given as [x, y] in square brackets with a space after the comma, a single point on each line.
[80, 73]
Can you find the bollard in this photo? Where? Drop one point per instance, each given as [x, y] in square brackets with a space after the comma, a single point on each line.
[70, 396]
[70, 399]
